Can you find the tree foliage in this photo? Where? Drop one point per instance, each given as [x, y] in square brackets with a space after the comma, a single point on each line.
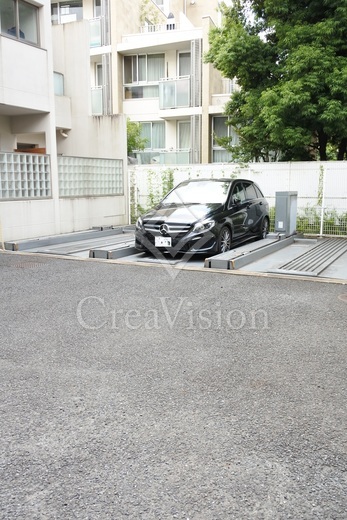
[290, 60]
[134, 139]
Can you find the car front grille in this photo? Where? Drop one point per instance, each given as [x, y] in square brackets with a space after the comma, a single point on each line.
[173, 228]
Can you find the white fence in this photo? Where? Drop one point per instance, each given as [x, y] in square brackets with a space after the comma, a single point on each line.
[321, 187]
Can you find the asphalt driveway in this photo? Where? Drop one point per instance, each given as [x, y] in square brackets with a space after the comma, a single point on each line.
[136, 392]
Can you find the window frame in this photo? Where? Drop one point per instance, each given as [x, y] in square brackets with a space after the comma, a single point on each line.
[135, 67]
[59, 14]
[151, 123]
[229, 133]
[19, 35]
[247, 187]
[137, 87]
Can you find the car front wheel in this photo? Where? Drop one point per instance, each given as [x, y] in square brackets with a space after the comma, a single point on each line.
[264, 228]
[224, 241]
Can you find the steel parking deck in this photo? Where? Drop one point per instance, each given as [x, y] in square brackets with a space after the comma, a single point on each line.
[277, 254]
[316, 260]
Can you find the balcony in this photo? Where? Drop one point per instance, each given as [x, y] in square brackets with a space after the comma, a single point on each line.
[95, 32]
[161, 37]
[174, 93]
[99, 32]
[160, 27]
[24, 78]
[166, 157]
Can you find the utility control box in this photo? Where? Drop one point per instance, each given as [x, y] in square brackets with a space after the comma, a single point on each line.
[285, 212]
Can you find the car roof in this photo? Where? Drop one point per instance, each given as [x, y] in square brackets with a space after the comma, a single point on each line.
[208, 180]
[222, 179]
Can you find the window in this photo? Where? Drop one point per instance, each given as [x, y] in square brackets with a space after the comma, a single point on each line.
[250, 191]
[154, 132]
[141, 75]
[238, 194]
[184, 64]
[184, 135]
[97, 8]
[67, 11]
[98, 75]
[58, 84]
[221, 129]
[19, 20]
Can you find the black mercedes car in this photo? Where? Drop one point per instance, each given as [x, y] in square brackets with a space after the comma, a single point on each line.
[204, 216]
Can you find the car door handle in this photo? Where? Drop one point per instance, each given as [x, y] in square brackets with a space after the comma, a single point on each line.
[260, 203]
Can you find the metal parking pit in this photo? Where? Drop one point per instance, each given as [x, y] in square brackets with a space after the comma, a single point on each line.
[277, 254]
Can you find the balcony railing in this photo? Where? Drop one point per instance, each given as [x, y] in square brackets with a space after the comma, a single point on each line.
[95, 32]
[164, 157]
[99, 32]
[160, 27]
[174, 92]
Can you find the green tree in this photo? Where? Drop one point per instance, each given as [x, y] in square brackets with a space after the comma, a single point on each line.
[134, 139]
[290, 61]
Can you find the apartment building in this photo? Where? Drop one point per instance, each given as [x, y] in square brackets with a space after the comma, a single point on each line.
[147, 63]
[62, 168]
[178, 99]
[72, 72]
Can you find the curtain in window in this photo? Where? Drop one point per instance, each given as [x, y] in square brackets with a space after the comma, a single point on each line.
[220, 129]
[146, 133]
[155, 67]
[184, 64]
[151, 91]
[158, 135]
[184, 135]
[221, 156]
[142, 67]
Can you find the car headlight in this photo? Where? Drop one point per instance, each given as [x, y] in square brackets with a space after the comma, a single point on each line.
[139, 223]
[205, 225]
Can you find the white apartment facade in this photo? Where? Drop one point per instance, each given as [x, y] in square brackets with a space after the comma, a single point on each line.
[62, 168]
[178, 99]
[82, 67]
[147, 63]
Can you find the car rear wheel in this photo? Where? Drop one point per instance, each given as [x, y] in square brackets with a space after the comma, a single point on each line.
[224, 240]
[264, 228]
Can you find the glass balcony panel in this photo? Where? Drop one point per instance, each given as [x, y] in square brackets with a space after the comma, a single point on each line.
[183, 91]
[174, 93]
[97, 101]
[58, 84]
[166, 95]
[95, 32]
[164, 157]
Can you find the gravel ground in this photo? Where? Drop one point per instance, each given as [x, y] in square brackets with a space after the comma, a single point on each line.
[130, 393]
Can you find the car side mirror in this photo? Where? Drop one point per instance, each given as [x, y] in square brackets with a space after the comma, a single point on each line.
[236, 200]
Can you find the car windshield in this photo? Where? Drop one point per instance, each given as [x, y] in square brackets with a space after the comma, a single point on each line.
[202, 192]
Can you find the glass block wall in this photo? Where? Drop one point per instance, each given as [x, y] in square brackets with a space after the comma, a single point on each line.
[24, 176]
[89, 177]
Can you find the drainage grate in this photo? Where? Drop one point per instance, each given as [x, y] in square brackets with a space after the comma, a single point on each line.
[27, 265]
[314, 261]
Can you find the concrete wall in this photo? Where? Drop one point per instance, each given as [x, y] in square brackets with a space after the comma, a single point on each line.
[88, 136]
[84, 213]
[317, 183]
[24, 79]
[195, 11]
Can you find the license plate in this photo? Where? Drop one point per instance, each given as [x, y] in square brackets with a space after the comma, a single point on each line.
[162, 242]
